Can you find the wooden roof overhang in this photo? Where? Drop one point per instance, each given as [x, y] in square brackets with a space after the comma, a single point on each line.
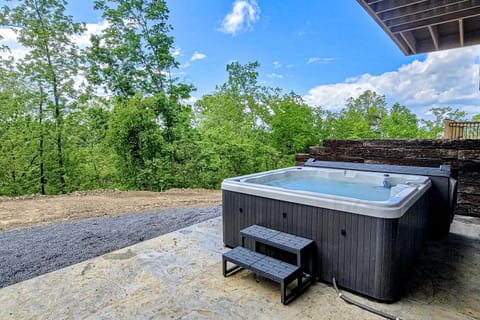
[420, 26]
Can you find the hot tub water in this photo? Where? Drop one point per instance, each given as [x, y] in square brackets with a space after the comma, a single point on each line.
[343, 188]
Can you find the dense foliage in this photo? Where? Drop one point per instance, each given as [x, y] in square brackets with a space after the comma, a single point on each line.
[127, 124]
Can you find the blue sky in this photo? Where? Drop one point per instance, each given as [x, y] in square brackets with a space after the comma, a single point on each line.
[323, 50]
[337, 37]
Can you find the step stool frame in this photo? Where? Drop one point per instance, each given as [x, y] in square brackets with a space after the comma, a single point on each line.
[262, 265]
[265, 266]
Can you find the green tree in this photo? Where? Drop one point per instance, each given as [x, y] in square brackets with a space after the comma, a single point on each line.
[51, 64]
[16, 157]
[133, 53]
[136, 138]
[433, 129]
[294, 125]
[90, 157]
[247, 102]
[361, 118]
[234, 125]
[132, 58]
[399, 123]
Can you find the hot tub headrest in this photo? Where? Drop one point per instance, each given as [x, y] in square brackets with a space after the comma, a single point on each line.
[442, 171]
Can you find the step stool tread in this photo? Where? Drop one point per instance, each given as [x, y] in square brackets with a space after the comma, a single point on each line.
[276, 238]
[260, 232]
[243, 256]
[273, 268]
[290, 240]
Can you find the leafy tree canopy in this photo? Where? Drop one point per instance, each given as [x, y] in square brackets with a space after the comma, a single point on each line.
[60, 137]
[134, 52]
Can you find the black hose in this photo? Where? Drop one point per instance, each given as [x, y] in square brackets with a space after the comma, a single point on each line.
[363, 306]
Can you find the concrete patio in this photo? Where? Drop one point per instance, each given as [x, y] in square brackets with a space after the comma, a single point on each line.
[179, 276]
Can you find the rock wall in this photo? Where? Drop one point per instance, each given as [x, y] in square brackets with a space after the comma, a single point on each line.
[462, 155]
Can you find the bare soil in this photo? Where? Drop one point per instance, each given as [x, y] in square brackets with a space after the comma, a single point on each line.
[36, 210]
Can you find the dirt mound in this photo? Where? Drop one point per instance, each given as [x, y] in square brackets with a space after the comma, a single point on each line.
[34, 210]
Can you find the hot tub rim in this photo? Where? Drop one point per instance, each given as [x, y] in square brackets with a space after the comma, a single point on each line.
[390, 209]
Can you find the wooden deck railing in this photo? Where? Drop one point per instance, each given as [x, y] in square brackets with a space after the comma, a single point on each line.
[461, 129]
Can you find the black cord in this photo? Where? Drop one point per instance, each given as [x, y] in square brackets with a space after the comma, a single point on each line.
[363, 306]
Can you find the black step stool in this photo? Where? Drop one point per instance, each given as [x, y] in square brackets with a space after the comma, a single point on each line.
[269, 267]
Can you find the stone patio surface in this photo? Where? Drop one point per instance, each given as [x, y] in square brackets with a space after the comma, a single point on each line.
[179, 276]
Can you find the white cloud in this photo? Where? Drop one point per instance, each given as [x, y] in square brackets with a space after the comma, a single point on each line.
[175, 52]
[319, 60]
[8, 35]
[198, 56]
[277, 64]
[191, 100]
[445, 78]
[185, 65]
[275, 75]
[83, 40]
[243, 15]
[179, 73]
[9, 38]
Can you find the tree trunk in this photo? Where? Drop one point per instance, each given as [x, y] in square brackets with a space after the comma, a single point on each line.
[41, 149]
[13, 175]
[61, 169]
[58, 114]
[58, 124]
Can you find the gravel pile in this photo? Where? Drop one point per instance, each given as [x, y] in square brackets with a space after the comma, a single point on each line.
[28, 253]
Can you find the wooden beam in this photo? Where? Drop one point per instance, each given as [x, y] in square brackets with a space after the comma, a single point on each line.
[450, 23]
[425, 45]
[461, 33]
[436, 13]
[434, 33]
[383, 26]
[388, 5]
[403, 44]
[410, 40]
[472, 12]
[418, 8]
[447, 42]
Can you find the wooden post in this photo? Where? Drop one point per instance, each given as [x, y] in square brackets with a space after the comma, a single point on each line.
[447, 130]
[458, 131]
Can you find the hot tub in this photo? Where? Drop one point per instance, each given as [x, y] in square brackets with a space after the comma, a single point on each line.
[367, 226]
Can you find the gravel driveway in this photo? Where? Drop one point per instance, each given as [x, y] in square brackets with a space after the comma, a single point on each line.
[28, 253]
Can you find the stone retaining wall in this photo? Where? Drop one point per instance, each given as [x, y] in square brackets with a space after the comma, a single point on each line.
[462, 155]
